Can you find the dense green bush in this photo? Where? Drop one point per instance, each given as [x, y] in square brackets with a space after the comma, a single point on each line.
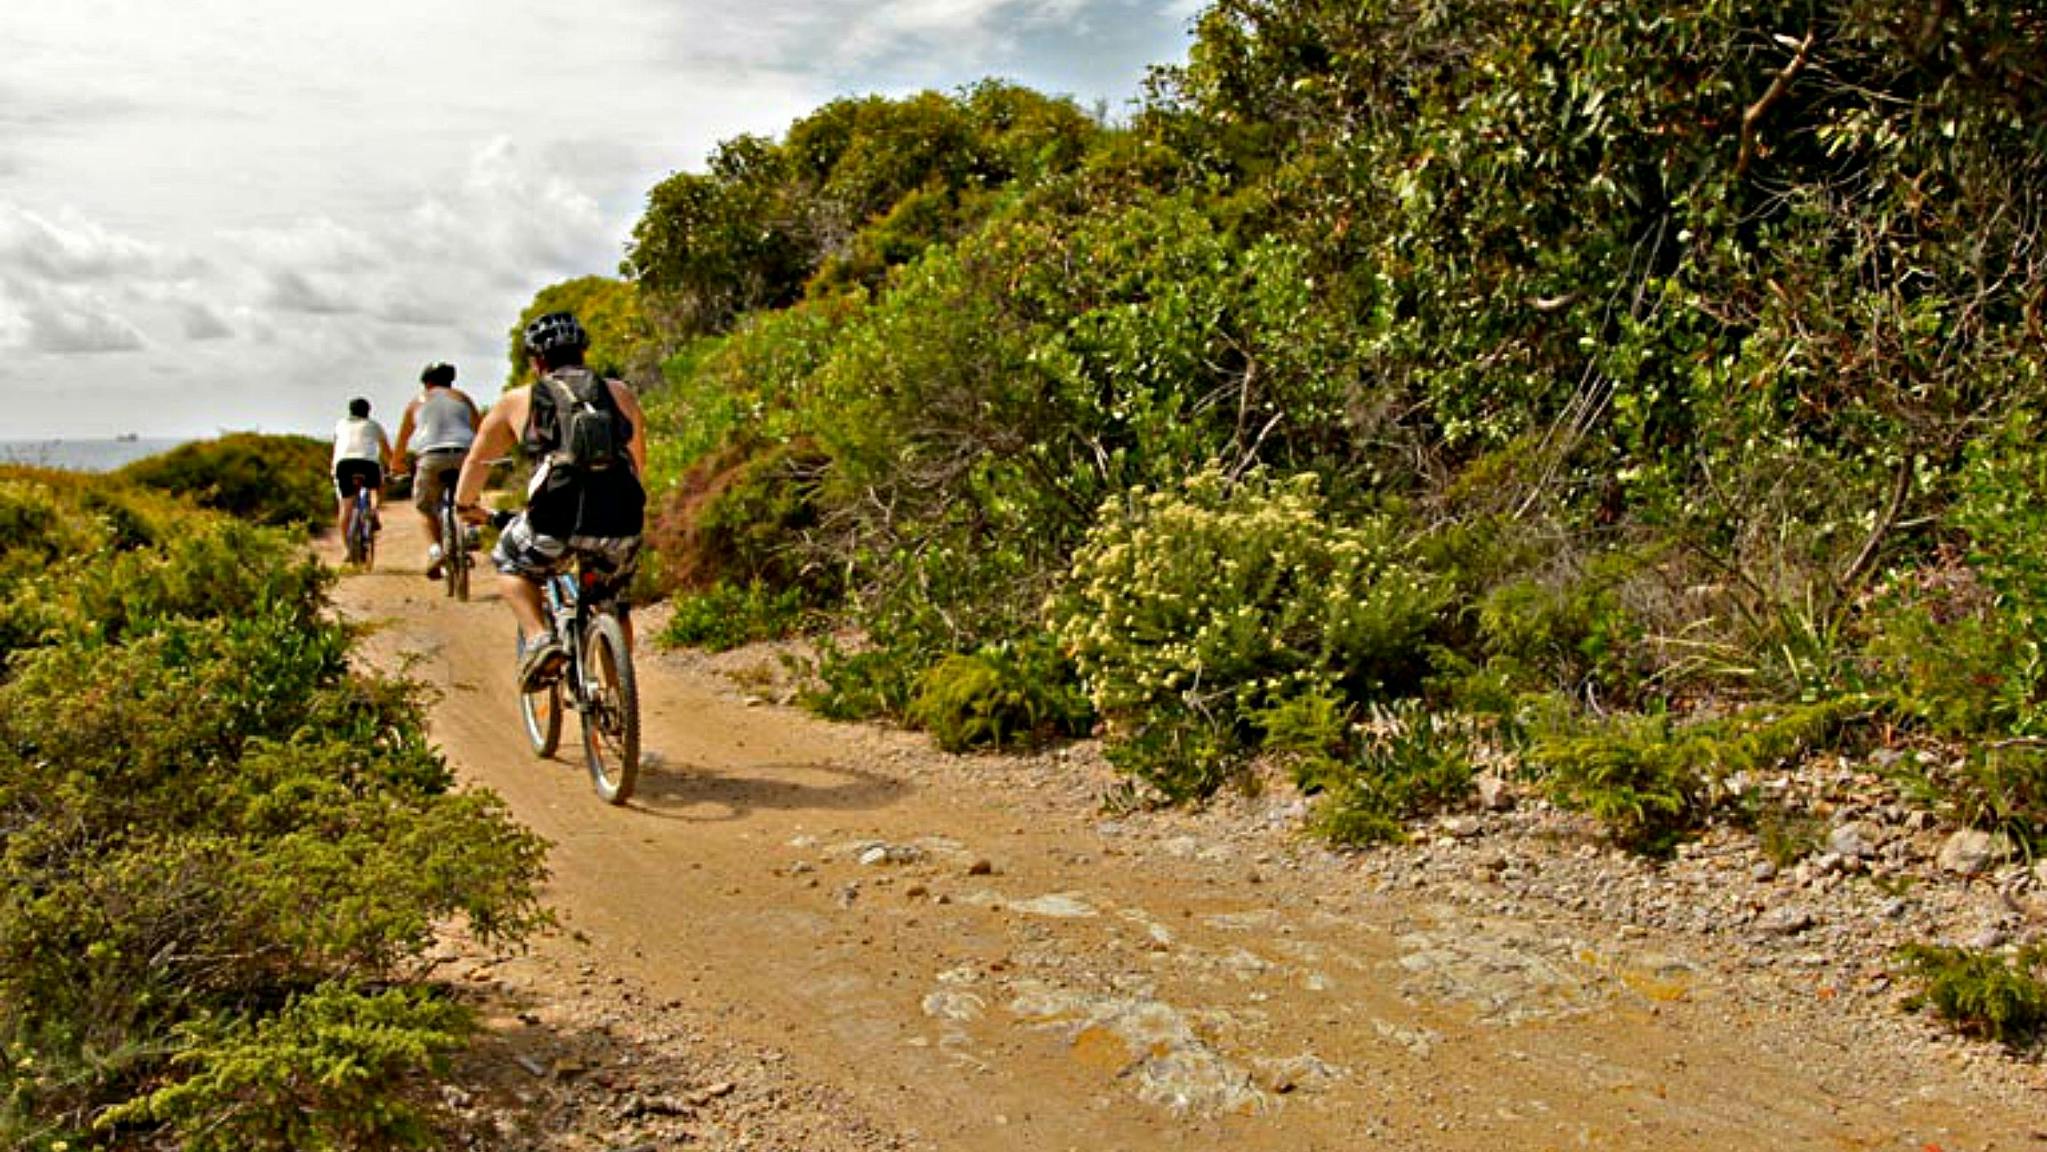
[264, 479]
[725, 616]
[314, 1075]
[1001, 696]
[1372, 772]
[1653, 779]
[220, 847]
[1211, 603]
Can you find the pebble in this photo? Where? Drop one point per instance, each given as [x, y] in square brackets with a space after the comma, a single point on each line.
[1788, 920]
[1854, 840]
[1971, 852]
[1494, 795]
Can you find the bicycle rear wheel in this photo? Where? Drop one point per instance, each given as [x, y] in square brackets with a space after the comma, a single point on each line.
[611, 712]
[542, 711]
[455, 559]
[362, 537]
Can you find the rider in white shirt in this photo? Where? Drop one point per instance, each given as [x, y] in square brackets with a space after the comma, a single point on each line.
[360, 450]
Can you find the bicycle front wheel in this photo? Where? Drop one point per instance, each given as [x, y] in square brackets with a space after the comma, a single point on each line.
[541, 709]
[611, 713]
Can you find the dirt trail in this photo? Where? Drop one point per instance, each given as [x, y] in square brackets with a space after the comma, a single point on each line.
[978, 957]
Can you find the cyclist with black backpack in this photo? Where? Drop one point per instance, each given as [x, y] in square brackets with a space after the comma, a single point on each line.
[584, 502]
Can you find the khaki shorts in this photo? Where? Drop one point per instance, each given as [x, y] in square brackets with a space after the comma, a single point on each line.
[432, 474]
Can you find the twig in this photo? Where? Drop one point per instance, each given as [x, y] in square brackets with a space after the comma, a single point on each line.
[1779, 85]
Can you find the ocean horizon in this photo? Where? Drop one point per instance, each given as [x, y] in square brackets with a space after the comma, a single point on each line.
[84, 453]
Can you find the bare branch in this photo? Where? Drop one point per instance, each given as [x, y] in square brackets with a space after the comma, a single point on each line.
[1779, 85]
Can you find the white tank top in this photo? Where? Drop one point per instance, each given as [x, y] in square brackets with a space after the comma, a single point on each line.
[358, 439]
[443, 423]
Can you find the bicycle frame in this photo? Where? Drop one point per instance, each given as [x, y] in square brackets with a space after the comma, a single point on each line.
[571, 618]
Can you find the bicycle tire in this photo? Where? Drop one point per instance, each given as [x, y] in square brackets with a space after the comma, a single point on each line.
[362, 539]
[542, 712]
[611, 711]
[455, 558]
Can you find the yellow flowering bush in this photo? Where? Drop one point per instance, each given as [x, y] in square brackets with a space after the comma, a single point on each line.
[1191, 611]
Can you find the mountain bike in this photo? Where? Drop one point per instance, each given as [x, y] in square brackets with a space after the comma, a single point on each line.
[456, 559]
[360, 541]
[598, 682]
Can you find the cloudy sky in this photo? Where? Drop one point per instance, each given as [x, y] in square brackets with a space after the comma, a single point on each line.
[232, 214]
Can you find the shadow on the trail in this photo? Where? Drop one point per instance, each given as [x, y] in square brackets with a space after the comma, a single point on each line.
[689, 792]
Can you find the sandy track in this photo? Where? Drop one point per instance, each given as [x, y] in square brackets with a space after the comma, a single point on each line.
[978, 957]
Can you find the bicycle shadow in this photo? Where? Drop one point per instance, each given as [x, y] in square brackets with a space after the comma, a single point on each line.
[702, 795]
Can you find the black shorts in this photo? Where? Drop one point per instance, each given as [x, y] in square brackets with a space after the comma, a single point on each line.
[346, 472]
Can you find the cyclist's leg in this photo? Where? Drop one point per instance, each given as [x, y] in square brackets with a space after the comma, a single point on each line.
[426, 498]
[523, 559]
[344, 499]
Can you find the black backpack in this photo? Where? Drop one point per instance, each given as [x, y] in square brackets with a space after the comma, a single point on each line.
[591, 489]
[590, 433]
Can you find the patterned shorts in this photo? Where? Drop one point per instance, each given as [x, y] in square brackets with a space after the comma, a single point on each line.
[608, 561]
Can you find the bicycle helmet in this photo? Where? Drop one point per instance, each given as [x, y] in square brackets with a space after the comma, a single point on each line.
[359, 408]
[555, 332]
[437, 374]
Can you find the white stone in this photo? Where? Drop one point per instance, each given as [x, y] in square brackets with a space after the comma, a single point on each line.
[1971, 852]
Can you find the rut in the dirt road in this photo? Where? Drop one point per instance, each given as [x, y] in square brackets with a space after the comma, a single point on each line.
[977, 957]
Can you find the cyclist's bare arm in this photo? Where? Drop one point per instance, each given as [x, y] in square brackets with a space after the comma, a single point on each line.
[398, 457]
[629, 405]
[495, 436]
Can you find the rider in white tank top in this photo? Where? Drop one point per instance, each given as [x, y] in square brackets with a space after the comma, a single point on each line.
[445, 423]
[436, 431]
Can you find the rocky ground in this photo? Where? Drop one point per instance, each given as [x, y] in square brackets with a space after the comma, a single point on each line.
[1808, 922]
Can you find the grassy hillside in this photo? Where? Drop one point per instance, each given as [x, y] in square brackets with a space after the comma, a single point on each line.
[1647, 394]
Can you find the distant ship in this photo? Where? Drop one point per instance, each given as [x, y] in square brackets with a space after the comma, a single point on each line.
[126, 438]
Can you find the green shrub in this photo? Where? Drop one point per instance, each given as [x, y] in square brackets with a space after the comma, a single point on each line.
[723, 617]
[861, 683]
[1211, 603]
[322, 1073]
[1983, 994]
[999, 697]
[1993, 785]
[263, 479]
[1397, 763]
[740, 518]
[1653, 780]
[205, 815]
[1961, 640]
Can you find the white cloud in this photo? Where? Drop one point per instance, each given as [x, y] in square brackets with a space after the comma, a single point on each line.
[200, 322]
[68, 321]
[315, 244]
[70, 248]
[286, 203]
[290, 290]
